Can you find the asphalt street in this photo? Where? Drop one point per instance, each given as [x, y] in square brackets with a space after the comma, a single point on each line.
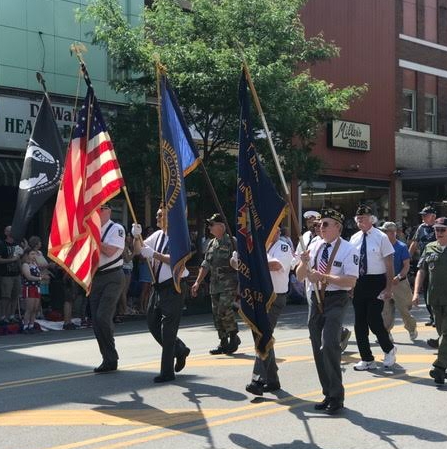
[50, 398]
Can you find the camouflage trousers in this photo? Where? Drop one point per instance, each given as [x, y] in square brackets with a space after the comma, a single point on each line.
[223, 313]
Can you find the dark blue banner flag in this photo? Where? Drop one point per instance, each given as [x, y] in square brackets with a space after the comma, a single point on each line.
[259, 211]
[42, 169]
[179, 157]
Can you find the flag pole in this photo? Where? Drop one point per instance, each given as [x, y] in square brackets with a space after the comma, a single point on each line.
[159, 70]
[78, 49]
[277, 164]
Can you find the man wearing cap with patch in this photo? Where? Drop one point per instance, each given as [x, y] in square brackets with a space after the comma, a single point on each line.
[107, 285]
[424, 235]
[223, 285]
[402, 295]
[334, 269]
[376, 273]
[433, 265]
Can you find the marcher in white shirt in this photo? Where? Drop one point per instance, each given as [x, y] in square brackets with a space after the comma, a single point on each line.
[280, 260]
[376, 273]
[334, 271]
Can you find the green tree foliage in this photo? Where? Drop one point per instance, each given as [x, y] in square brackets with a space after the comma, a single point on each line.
[199, 47]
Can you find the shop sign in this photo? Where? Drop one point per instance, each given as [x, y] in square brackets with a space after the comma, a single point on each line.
[351, 135]
[17, 117]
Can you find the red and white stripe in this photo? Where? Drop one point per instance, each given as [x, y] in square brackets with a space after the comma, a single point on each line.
[91, 177]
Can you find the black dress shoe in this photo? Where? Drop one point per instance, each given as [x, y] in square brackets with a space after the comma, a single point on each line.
[160, 379]
[433, 343]
[430, 323]
[106, 367]
[333, 407]
[181, 360]
[322, 405]
[271, 386]
[438, 374]
[255, 387]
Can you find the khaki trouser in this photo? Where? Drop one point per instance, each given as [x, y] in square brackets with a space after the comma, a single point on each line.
[401, 300]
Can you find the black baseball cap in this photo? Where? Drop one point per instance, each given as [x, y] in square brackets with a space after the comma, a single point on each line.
[215, 218]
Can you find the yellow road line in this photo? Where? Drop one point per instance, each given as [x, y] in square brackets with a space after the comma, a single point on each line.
[254, 411]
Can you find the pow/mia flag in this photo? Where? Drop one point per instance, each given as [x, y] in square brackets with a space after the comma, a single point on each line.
[42, 169]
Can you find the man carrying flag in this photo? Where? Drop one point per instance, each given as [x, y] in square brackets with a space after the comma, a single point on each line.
[259, 212]
[83, 239]
[169, 248]
[42, 169]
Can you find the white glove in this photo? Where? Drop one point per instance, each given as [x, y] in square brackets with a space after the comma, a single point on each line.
[147, 252]
[235, 257]
[136, 229]
[18, 251]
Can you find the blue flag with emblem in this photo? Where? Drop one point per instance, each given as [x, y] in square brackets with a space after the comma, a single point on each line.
[178, 157]
[259, 211]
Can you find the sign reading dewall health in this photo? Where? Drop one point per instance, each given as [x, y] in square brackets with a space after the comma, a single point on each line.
[17, 117]
[351, 135]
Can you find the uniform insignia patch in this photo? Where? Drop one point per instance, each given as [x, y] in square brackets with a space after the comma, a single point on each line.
[356, 259]
[284, 248]
[121, 233]
[337, 263]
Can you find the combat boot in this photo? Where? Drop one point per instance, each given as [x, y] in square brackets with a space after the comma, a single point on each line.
[235, 341]
[222, 348]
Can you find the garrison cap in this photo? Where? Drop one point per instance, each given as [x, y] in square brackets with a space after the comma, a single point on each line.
[428, 210]
[334, 214]
[363, 209]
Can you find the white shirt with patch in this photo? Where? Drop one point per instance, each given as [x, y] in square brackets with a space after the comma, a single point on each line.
[280, 252]
[345, 263]
[378, 246]
[115, 237]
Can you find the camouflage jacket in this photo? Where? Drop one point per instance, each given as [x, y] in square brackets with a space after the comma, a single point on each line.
[217, 261]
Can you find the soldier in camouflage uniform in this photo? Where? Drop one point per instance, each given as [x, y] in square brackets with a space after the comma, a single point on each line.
[223, 285]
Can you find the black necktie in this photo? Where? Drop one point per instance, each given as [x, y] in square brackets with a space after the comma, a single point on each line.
[322, 266]
[363, 265]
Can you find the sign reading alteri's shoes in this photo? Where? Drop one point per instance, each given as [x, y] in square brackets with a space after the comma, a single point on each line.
[350, 135]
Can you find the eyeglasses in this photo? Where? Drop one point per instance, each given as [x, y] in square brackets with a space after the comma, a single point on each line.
[324, 224]
[440, 230]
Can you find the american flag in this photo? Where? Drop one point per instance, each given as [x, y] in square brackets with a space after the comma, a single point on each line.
[91, 177]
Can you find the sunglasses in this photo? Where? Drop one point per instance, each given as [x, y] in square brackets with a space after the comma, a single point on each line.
[323, 224]
[440, 230]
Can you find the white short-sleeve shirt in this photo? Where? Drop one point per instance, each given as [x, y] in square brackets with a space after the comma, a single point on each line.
[115, 236]
[378, 246]
[345, 263]
[154, 241]
[280, 252]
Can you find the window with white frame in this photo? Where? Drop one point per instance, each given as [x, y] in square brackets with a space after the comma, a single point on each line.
[430, 114]
[409, 109]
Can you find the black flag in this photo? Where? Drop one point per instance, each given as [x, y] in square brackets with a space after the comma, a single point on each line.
[42, 169]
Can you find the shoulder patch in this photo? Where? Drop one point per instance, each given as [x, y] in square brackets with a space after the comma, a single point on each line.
[356, 259]
[284, 248]
[121, 232]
